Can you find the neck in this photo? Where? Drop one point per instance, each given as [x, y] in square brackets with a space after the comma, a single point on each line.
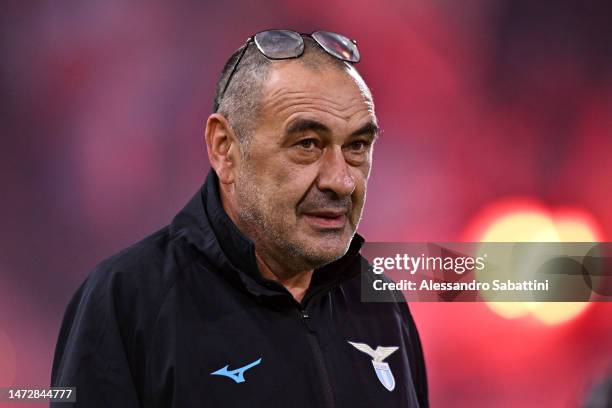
[296, 283]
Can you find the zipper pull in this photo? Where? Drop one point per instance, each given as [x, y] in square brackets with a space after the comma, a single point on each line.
[305, 317]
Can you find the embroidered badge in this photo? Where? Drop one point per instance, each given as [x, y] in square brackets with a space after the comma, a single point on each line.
[382, 369]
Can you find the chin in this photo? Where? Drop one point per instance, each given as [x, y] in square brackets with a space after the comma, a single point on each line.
[322, 252]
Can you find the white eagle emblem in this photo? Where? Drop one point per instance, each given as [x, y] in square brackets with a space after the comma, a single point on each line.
[382, 369]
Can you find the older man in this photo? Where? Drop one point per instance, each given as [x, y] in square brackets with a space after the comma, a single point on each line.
[251, 296]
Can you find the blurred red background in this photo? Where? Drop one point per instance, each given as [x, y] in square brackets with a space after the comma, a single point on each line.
[103, 107]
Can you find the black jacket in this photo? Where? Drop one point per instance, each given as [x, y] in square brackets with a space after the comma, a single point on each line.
[151, 325]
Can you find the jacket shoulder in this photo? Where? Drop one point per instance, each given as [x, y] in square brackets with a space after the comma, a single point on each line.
[149, 265]
[133, 284]
[109, 319]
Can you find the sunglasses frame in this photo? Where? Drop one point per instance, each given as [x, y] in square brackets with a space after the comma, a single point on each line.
[302, 35]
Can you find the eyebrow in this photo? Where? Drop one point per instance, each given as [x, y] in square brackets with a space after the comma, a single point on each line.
[369, 128]
[302, 125]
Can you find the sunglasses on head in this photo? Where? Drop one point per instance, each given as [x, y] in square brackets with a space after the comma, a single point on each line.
[286, 44]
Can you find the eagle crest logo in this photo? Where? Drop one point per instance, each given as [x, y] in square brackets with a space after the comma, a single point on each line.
[382, 369]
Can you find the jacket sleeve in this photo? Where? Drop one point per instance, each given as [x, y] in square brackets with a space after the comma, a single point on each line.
[90, 354]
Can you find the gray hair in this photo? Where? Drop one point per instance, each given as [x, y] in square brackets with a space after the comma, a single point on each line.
[241, 102]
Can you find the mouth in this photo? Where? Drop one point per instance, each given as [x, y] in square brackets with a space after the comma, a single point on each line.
[326, 219]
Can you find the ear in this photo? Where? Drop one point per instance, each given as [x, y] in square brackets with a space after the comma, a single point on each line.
[223, 147]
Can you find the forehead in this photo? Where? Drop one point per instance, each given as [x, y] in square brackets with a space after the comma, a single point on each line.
[292, 87]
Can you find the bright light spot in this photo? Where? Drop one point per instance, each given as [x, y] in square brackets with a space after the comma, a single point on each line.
[509, 310]
[555, 312]
[523, 226]
[523, 220]
[577, 226]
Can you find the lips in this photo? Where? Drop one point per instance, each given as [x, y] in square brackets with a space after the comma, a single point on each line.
[326, 218]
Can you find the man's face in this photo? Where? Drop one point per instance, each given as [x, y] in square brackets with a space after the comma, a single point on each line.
[301, 188]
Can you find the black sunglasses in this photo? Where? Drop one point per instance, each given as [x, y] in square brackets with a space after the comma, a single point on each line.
[286, 44]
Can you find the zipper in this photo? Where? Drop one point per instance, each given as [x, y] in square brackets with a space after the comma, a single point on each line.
[328, 395]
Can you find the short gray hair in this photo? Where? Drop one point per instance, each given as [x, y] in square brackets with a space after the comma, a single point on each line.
[241, 102]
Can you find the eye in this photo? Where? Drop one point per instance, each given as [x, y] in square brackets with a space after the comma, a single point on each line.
[307, 144]
[359, 146]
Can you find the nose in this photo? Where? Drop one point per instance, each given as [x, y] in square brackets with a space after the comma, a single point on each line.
[334, 173]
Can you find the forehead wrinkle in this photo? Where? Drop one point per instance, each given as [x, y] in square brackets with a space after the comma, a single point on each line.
[283, 92]
[305, 108]
[355, 116]
[283, 98]
[341, 110]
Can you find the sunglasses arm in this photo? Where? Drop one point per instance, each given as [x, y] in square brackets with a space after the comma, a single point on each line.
[229, 78]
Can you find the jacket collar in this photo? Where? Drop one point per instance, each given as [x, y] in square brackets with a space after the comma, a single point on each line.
[205, 225]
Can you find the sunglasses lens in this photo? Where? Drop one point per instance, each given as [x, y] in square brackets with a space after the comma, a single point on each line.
[280, 44]
[337, 45]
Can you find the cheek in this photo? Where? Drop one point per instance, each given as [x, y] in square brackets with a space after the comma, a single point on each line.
[361, 175]
[296, 184]
[361, 182]
[284, 184]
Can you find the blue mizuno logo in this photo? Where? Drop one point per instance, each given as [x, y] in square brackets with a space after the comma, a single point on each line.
[237, 374]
